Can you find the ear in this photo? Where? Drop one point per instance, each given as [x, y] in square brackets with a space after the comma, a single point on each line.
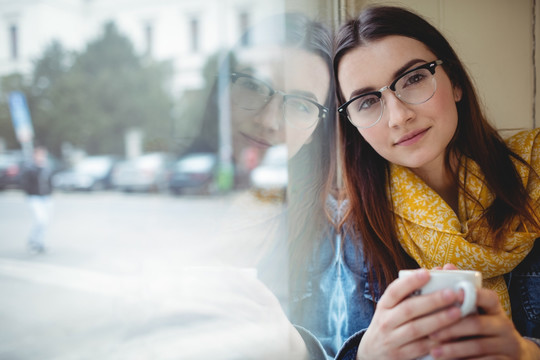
[457, 93]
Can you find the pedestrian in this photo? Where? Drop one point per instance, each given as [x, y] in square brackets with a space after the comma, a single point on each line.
[428, 183]
[36, 182]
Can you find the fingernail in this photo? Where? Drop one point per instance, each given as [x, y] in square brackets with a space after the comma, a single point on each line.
[454, 312]
[436, 352]
[422, 273]
[448, 294]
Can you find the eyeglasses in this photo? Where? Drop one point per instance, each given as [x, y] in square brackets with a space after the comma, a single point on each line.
[250, 93]
[414, 87]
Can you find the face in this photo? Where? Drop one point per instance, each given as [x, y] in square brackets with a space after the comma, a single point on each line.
[289, 70]
[40, 156]
[414, 136]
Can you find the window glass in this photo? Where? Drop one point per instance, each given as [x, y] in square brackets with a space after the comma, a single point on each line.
[178, 173]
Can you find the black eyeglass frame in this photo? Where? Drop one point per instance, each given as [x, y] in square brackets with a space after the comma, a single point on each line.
[323, 110]
[429, 66]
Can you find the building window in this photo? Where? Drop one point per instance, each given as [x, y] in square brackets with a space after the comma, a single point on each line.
[243, 21]
[194, 31]
[14, 42]
[149, 38]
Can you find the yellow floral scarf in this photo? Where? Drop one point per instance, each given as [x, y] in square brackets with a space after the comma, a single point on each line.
[432, 234]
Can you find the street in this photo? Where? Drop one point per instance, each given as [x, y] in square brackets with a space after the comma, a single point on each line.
[112, 284]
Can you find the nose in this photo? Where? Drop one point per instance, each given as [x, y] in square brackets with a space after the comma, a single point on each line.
[271, 115]
[397, 112]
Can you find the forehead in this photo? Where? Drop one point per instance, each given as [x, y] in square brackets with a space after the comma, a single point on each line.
[375, 63]
[291, 70]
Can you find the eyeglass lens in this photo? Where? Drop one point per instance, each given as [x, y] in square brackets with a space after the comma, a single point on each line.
[249, 93]
[412, 88]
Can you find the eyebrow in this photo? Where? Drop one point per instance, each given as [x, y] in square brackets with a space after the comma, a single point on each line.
[396, 74]
[251, 71]
[248, 70]
[306, 94]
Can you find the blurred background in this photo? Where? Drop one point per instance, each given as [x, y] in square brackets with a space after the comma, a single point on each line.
[116, 90]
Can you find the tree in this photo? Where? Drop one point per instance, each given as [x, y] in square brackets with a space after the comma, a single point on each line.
[115, 90]
[90, 99]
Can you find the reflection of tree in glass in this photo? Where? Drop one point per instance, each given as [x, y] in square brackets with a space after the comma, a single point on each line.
[196, 127]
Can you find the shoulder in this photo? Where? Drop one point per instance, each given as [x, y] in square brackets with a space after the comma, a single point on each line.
[524, 142]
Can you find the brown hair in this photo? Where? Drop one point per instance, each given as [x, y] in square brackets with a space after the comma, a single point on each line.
[366, 173]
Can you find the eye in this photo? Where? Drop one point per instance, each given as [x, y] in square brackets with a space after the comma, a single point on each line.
[252, 85]
[414, 78]
[299, 105]
[366, 102]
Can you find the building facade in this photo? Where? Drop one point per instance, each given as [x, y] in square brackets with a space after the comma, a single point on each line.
[185, 32]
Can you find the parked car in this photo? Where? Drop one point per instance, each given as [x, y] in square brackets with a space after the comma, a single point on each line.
[91, 173]
[194, 172]
[269, 179]
[148, 172]
[11, 166]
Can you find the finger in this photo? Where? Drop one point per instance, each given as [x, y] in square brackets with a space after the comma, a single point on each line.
[409, 313]
[414, 350]
[449, 267]
[426, 325]
[401, 288]
[488, 301]
[477, 325]
[477, 348]
[473, 325]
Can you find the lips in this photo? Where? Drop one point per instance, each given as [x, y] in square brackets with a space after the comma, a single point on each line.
[411, 137]
[260, 143]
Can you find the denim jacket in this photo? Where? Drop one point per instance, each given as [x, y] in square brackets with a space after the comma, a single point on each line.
[334, 306]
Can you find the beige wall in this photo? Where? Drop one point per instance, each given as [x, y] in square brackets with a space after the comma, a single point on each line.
[537, 57]
[494, 39]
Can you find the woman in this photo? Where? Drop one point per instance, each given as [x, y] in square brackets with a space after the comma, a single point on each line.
[428, 182]
[278, 93]
[274, 88]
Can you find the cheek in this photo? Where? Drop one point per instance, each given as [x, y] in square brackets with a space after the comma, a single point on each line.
[444, 98]
[374, 136]
[444, 108]
[296, 138]
[240, 118]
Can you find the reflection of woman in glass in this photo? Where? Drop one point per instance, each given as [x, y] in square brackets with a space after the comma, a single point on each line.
[280, 94]
[278, 85]
[277, 100]
[262, 116]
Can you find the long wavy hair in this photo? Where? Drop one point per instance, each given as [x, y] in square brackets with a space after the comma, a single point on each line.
[312, 169]
[366, 173]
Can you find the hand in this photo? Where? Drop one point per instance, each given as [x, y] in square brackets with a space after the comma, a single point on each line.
[446, 267]
[401, 325]
[488, 334]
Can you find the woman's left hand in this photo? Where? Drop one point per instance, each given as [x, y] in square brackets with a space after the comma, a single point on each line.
[489, 334]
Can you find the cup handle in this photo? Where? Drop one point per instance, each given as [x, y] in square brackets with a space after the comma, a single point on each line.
[469, 300]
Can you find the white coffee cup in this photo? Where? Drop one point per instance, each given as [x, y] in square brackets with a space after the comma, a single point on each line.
[467, 280]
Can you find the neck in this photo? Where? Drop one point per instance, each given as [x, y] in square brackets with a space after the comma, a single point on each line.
[442, 181]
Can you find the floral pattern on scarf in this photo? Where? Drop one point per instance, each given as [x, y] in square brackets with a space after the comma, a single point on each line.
[431, 232]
